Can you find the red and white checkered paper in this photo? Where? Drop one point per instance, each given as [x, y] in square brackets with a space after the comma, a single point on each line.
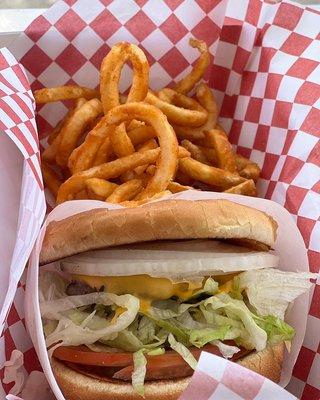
[265, 75]
[216, 378]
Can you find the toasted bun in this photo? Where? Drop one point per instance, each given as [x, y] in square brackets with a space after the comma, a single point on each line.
[171, 219]
[76, 386]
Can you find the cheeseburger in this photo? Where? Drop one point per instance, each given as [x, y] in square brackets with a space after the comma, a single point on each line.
[130, 297]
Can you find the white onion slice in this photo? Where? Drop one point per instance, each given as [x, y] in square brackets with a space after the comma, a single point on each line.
[175, 260]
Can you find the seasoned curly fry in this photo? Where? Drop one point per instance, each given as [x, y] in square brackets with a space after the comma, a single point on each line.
[83, 156]
[104, 152]
[126, 191]
[247, 188]
[151, 169]
[74, 128]
[141, 134]
[100, 187]
[209, 175]
[50, 152]
[64, 93]
[55, 132]
[148, 145]
[121, 143]
[51, 179]
[128, 139]
[195, 151]
[208, 102]
[187, 111]
[247, 168]
[225, 156]
[110, 170]
[111, 70]
[187, 83]
[167, 163]
[176, 187]
[210, 155]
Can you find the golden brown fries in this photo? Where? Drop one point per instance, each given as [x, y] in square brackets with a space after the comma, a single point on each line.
[225, 156]
[167, 140]
[120, 141]
[192, 115]
[110, 170]
[51, 179]
[247, 168]
[247, 188]
[195, 151]
[149, 144]
[141, 134]
[111, 70]
[104, 152]
[54, 139]
[187, 83]
[126, 191]
[176, 187]
[74, 128]
[83, 156]
[100, 187]
[208, 102]
[64, 93]
[210, 154]
[209, 175]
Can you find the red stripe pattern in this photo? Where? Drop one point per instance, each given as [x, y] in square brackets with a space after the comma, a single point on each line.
[265, 75]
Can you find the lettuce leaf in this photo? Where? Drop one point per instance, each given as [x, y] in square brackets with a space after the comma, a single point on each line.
[139, 372]
[200, 337]
[226, 350]
[236, 309]
[171, 327]
[277, 330]
[183, 351]
[270, 291]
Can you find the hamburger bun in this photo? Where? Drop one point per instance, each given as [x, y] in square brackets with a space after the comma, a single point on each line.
[76, 386]
[163, 220]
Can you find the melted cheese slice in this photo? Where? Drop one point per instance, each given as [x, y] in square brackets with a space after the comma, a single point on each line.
[142, 286]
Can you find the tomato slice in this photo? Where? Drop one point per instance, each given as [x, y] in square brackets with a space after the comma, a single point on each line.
[84, 356]
[119, 366]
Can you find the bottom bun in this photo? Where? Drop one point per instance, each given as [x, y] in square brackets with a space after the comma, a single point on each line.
[76, 386]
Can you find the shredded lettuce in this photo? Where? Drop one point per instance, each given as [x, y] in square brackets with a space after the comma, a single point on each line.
[139, 372]
[210, 288]
[146, 330]
[171, 327]
[183, 351]
[236, 309]
[270, 291]
[226, 350]
[251, 314]
[156, 352]
[200, 337]
[125, 340]
[277, 330]
[76, 327]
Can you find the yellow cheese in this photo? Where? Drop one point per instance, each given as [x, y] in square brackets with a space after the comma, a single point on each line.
[226, 287]
[118, 312]
[142, 286]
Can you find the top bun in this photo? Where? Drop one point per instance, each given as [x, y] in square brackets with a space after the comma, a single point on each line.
[162, 220]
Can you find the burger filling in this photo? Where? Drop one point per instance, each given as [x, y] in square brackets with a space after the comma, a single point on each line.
[137, 328]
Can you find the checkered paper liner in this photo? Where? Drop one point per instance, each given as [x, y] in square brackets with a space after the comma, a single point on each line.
[265, 75]
[219, 379]
[23, 204]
